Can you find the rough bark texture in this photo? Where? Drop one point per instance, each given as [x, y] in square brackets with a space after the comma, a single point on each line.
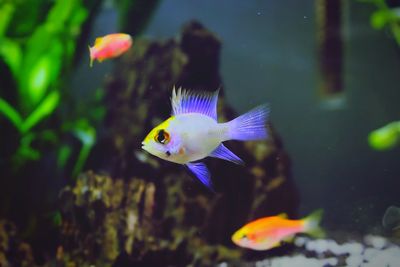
[14, 251]
[148, 211]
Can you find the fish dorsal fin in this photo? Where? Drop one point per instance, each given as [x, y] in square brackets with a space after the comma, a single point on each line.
[184, 101]
[97, 41]
[282, 215]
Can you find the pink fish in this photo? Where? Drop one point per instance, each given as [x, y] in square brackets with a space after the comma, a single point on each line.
[109, 46]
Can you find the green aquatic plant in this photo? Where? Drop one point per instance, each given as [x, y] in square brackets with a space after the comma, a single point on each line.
[385, 137]
[385, 16]
[38, 42]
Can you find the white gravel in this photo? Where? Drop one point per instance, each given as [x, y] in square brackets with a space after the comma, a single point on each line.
[374, 251]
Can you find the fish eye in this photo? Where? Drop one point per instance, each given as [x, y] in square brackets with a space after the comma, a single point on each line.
[162, 137]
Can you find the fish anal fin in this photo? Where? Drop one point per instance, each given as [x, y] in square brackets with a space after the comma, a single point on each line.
[275, 245]
[224, 153]
[282, 215]
[199, 169]
[186, 101]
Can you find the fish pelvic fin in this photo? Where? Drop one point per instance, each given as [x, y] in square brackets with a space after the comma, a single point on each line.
[311, 224]
[224, 153]
[249, 126]
[91, 56]
[288, 239]
[199, 169]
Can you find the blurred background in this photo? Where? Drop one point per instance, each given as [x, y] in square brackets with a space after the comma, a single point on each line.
[330, 71]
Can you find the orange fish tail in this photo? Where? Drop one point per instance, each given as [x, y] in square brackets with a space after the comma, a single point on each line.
[311, 224]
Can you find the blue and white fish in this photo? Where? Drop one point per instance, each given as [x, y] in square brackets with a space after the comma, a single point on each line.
[193, 133]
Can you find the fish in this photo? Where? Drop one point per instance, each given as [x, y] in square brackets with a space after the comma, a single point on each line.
[391, 219]
[270, 232]
[193, 133]
[109, 46]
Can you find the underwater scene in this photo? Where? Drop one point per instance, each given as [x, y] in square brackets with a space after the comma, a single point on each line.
[199, 133]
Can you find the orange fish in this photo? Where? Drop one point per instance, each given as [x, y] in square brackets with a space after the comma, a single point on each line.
[270, 232]
[109, 46]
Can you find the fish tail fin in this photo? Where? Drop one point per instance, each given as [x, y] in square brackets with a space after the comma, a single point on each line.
[311, 224]
[391, 218]
[249, 126]
[91, 56]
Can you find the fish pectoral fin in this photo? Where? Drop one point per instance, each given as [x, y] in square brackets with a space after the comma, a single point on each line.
[224, 153]
[288, 239]
[199, 169]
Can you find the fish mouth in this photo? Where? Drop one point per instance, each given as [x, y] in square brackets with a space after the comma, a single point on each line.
[143, 145]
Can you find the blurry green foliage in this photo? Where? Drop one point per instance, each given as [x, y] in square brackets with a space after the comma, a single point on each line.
[86, 134]
[385, 16]
[386, 137]
[38, 44]
[38, 40]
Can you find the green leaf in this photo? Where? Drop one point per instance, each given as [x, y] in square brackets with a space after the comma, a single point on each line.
[63, 155]
[39, 79]
[87, 135]
[6, 13]
[79, 16]
[46, 107]
[25, 151]
[386, 137]
[85, 132]
[40, 67]
[10, 113]
[396, 32]
[57, 218]
[380, 18]
[61, 11]
[11, 53]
